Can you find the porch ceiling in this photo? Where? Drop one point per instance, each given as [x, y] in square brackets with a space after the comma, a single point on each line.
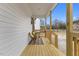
[29, 9]
[37, 9]
[41, 9]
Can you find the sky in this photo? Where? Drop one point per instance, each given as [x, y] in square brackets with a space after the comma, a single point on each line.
[75, 10]
[59, 13]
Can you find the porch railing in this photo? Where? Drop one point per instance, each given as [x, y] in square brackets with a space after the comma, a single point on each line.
[76, 43]
[55, 39]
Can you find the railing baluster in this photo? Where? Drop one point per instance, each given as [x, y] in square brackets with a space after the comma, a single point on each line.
[56, 41]
[78, 46]
[75, 46]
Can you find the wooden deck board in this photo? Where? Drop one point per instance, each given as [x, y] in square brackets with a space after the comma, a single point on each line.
[49, 53]
[41, 50]
[45, 51]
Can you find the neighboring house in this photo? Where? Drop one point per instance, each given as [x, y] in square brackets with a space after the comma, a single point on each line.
[76, 26]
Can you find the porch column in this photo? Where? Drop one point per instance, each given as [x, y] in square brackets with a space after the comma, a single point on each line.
[50, 25]
[69, 36]
[45, 27]
[32, 22]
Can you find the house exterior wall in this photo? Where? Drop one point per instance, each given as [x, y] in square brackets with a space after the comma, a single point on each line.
[14, 28]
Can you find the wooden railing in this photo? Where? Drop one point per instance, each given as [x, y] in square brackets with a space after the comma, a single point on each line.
[38, 32]
[56, 39]
[55, 35]
[76, 43]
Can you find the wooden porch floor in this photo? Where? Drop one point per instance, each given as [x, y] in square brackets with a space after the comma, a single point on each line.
[41, 50]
